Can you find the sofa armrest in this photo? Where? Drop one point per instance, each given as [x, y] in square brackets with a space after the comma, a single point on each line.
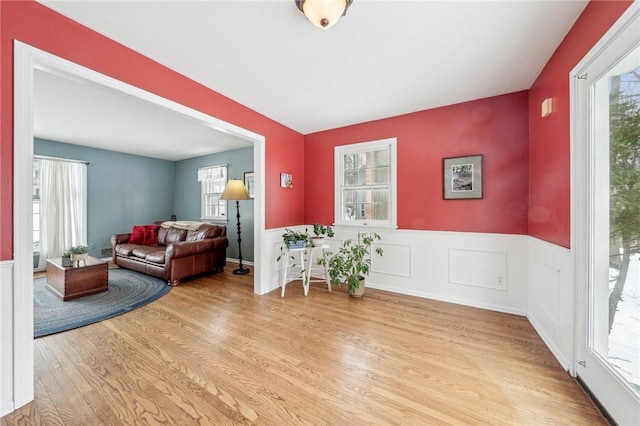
[188, 248]
[115, 240]
[119, 239]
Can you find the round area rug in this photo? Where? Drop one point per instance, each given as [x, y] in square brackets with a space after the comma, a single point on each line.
[128, 290]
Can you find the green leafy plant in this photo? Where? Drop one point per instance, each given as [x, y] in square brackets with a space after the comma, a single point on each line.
[291, 237]
[352, 261]
[78, 250]
[320, 231]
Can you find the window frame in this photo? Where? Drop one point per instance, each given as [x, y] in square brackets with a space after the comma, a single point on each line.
[202, 182]
[358, 148]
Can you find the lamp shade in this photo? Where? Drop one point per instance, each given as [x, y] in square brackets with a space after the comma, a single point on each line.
[323, 13]
[235, 190]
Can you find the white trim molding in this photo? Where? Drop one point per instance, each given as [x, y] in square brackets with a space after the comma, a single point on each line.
[339, 153]
[6, 337]
[550, 298]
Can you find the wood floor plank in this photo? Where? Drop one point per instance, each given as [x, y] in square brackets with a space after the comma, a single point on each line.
[213, 353]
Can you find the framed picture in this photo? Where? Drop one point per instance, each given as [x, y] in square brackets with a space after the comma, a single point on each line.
[462, 177]
[286, 180]
[249, 183]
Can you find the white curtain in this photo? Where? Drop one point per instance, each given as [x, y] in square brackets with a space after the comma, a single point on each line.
[63, 207]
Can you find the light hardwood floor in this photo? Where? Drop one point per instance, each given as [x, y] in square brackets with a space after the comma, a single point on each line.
[213, 353]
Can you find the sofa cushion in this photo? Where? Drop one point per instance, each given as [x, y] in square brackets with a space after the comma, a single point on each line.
[156, 256]
[124, 249]
[142, 254]
[137, 234]
[174, 235]
[144, 234]
[162, 236]
[150, 234]
[205, 231]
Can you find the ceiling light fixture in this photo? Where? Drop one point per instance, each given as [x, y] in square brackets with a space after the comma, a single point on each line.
[323, 13]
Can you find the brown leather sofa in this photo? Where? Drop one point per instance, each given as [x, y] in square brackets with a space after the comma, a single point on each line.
[180, 251]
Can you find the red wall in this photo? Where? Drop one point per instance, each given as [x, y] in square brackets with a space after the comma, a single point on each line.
[517, 177]
[45, 29]
[496, 127]
[549, 150]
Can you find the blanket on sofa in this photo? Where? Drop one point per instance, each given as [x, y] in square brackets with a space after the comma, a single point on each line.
[189, 225]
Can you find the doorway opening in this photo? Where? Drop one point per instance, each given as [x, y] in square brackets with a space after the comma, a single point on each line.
[27, 60]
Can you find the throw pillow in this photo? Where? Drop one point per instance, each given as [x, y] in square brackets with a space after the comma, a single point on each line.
[137, 234]
[150, 235]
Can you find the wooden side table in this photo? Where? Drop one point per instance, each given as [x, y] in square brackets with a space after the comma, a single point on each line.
[72, 282]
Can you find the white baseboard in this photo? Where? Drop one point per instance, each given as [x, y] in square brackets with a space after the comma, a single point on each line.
[6, 408]
[457, 301]
[550, 343]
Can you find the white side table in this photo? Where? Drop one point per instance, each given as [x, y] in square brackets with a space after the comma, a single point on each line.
[306, 267]
[318, 251]
[296, 255]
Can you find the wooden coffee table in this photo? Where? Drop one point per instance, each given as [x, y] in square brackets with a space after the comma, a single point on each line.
[70, 283]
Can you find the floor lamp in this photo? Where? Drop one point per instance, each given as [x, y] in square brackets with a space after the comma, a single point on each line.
[235, 190]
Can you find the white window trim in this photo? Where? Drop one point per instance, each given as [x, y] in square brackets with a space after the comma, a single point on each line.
[339, 152]
[203, 216]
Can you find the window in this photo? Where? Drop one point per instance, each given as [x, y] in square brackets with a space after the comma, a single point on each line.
[212, 182]
[365, 183]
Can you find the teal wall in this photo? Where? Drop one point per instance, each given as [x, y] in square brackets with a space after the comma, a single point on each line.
[187, 195]
[122, 189]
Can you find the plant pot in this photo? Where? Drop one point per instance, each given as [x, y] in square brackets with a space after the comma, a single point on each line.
[317, 241]
[79, 256]
[296, 244]
[66, 262]
[358, 291]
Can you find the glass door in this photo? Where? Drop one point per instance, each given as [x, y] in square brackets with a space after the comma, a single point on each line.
[608, 240]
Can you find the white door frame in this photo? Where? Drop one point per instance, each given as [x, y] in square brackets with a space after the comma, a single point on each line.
[621, 404]
[26, 60]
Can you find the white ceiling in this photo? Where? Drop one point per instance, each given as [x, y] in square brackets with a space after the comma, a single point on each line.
[384, 58]
[78, 112]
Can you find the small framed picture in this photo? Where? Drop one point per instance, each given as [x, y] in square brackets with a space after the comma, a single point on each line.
[249, 183]
[286, 180]
[462, 177]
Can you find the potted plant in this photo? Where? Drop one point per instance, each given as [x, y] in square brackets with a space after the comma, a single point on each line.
[293, 240]
[66, 259]
[352, 262]
[78, 253]
[319, 234]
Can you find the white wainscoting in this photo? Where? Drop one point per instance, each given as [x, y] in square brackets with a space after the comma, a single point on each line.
[499, 286]
[418, 263]
[478, 268]
[6, 337]
[552, 298]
